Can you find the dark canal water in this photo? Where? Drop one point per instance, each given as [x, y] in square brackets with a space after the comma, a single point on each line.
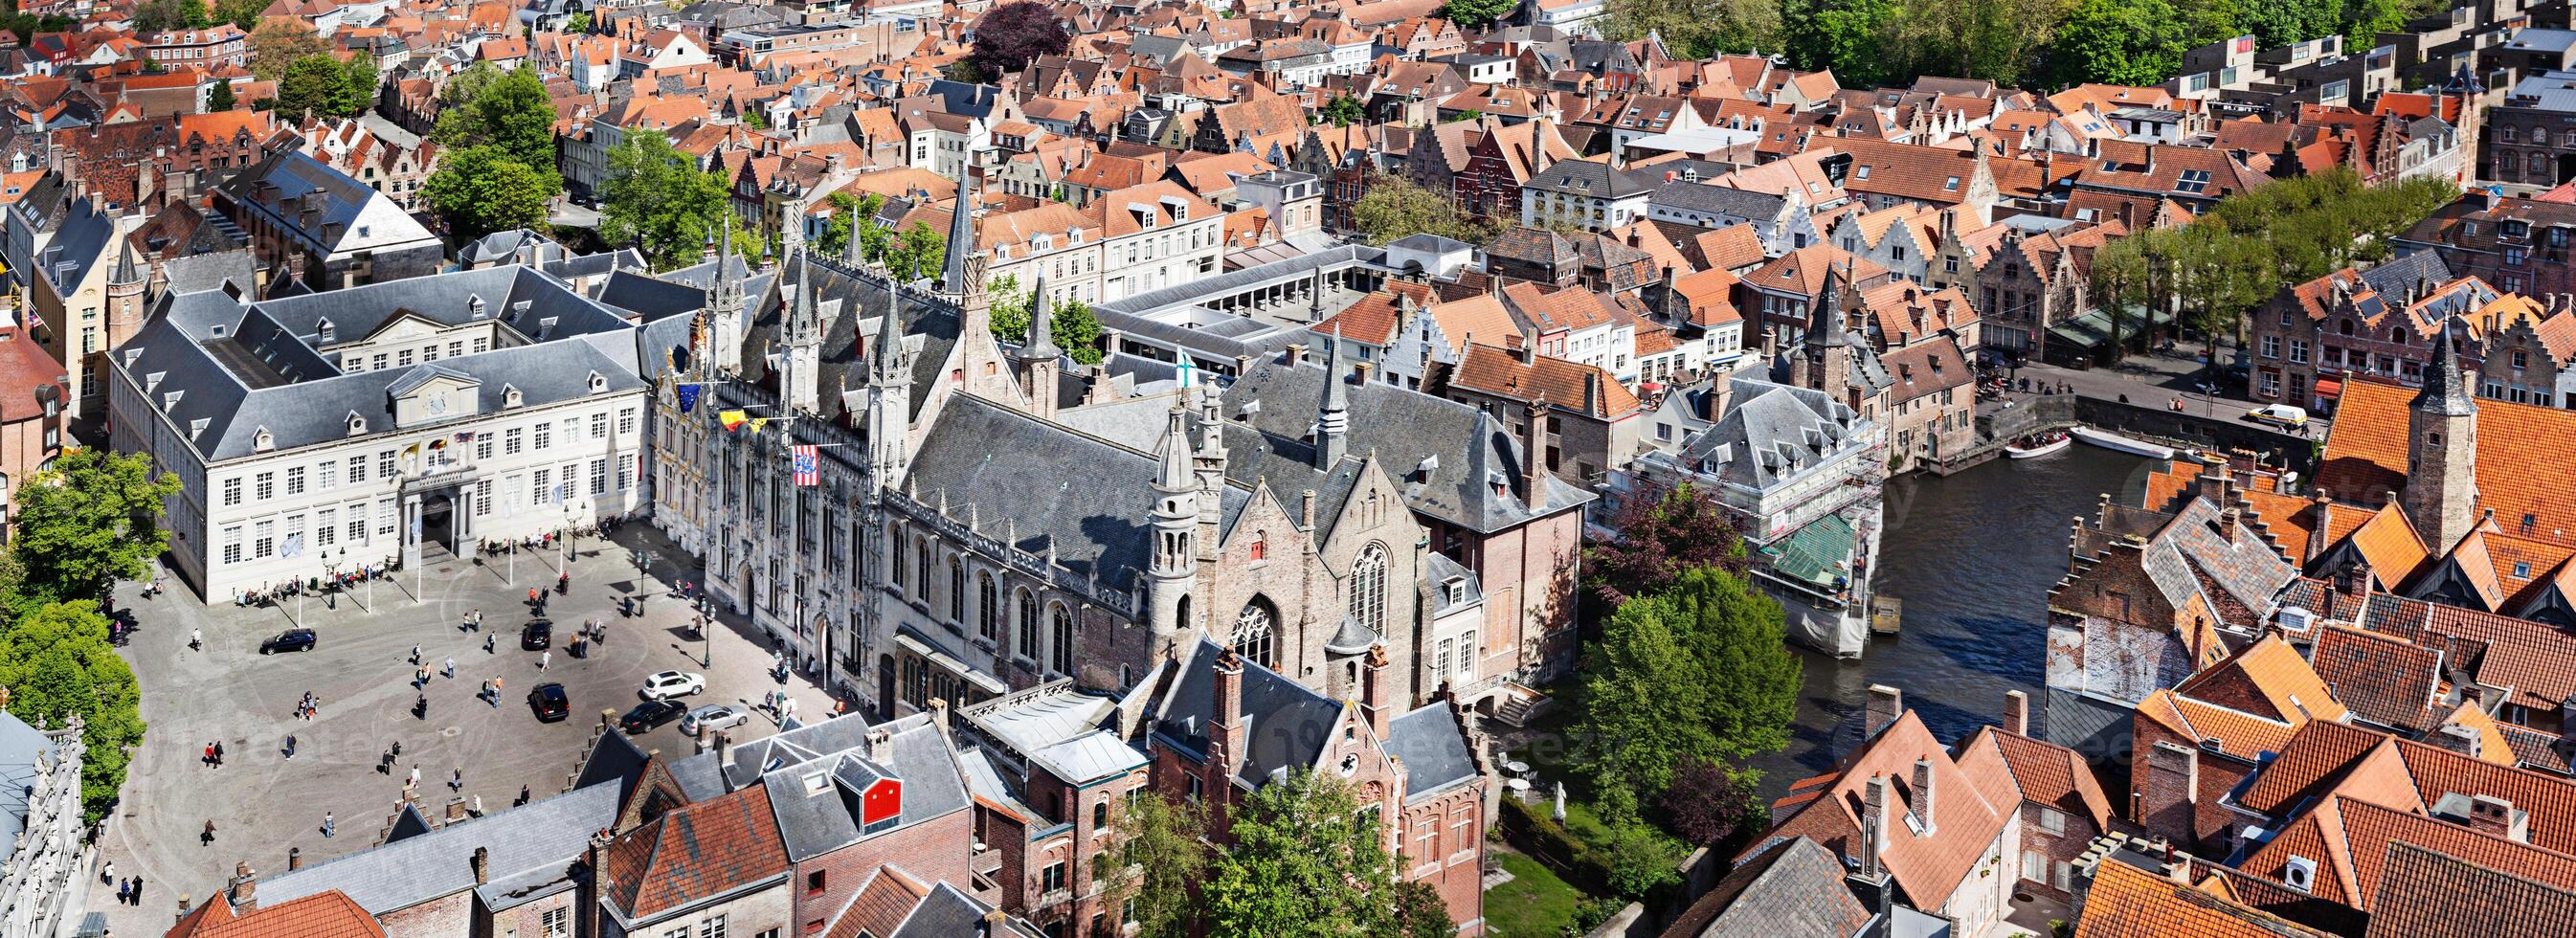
[1973, 556]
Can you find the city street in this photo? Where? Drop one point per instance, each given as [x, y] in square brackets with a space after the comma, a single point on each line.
[262, 803]
[2146, 380]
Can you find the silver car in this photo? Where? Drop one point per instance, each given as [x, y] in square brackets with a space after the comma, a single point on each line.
[713, 717]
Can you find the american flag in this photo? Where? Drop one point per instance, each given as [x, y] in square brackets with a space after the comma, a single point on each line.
[808, 470]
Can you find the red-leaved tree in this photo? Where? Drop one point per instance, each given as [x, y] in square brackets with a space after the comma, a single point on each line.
[1012, 34]
[1707, 802]
[1661, 532]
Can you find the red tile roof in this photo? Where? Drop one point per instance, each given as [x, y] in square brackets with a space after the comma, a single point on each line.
[694, 852]
[2518, 471]
[327, 914]
[2128, 902]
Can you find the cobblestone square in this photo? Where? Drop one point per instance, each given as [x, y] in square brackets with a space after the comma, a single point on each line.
[263, 803]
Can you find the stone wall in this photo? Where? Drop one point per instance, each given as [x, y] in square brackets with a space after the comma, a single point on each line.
[2224, 429]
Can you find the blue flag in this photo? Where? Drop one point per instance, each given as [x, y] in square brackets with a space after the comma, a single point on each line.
[688, 397]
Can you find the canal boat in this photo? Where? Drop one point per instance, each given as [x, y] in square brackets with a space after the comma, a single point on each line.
[2114, 441]
[2038, 446]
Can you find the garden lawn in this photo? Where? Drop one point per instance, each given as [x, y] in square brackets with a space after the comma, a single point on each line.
[1535, 904]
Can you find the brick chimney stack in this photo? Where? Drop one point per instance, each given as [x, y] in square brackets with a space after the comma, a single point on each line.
[1373, 689]
[1885, 704]
[2017, 712]
[1873, 827]
[2168, 800]
[481, 863]
[243, 890]
[1226, 729]
[1924, 816]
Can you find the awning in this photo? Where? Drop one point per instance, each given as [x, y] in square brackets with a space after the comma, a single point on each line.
[914, 642]
[2328, 388]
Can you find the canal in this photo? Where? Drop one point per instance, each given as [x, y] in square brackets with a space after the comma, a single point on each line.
[1973, 556]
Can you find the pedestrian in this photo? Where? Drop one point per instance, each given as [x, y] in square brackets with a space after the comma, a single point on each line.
[544, 658]
[450, 671]
[196, 639]
[415, 776]
[397, 750]
[138, 890]
[107, 871]
[415, 654]
[290, 746]
[533, 596]
[330, 827]
[456, 782]
[478, 806]
[219, 753]
[420, 707]
[487, 643]
[207, 839]
[523, 797]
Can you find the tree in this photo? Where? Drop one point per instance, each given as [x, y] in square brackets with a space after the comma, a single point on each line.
[509, 110]
[1306, 863]
[1072, 326]
[280, 43]
[91, 520]
[1695, 29]
[577, 23]
[1163, 857]
[481, 189]
[1697, 672]
[850, 214]
[153, 16]
[220, 97]
[1662, 533]
[1342, 111]
[1477, 14]
[2120, 42]
[1708, 802]
[315, 84]
[55, 661]
[657, 201]
[1394, 207]
[1854, 38]
[243, 14]
[1011, 34]
[919, 248]
[358, 78]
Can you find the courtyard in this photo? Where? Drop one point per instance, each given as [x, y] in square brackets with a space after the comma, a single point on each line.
[263, 803]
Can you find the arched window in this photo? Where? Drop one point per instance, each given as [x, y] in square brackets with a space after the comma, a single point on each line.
[1368, 589]
[921, 557]
[988, 613]
[956, 591]
[1100, 815]
[902, 559]
[1062, 639]
[1254, 636]
[2343, 327]
[1028, 625]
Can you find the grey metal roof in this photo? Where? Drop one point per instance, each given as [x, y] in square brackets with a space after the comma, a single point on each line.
[1586, 178]
[548, 834]
[948, 913]
[1717, 200]
[1432, 749]
[1771, 432]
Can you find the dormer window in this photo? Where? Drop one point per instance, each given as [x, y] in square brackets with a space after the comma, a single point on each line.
[598, 382]
[510, 395]
[357, 424]
[474, 308]
[262, 441]
[329, 332]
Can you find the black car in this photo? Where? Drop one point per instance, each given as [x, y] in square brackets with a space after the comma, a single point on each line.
[549, 702]
[537, 635]
[650, 714]
[289, 640]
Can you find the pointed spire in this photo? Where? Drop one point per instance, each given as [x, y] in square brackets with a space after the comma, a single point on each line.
[125, 270]
[1333, 416]
[802, 323]
[887, 364]
[961, 233]
[1041, 344]
[2446, 388]
[724, 291]
[1176, 475]
[1825, 322]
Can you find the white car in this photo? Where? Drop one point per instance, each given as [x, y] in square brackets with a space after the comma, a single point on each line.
[2286, 415]
[714, 717]
[669, 684]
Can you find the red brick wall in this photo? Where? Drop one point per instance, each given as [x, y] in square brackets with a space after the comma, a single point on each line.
[2208, 821]
[934, 850]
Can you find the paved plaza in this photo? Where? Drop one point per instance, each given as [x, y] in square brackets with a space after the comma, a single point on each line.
[263, 803]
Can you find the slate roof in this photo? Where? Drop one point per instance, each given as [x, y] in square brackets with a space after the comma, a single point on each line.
[1792, 889]
[1771, 432]
[20, 744]
[1433, 751]
[1287, 722]
[368, 220]
[549, 834]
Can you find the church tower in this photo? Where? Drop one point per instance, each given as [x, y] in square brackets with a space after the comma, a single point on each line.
[124, 296]
[802, 336]
[722, 334]
[1038, 357]
[2441, 495]
[889, 396]
[1176, 519]
[1822, 364]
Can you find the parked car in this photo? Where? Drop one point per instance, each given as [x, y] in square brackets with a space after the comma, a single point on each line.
[669, 684]
[714, 717]
[650, 714]
[537, 635]
[550, 703]
[289, 640]
[2286, 415]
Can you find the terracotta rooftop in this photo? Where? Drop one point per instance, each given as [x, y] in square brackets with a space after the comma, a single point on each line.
[2517, 472]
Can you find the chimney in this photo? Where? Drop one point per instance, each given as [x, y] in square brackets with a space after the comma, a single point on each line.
[992, 923]
[2354, 581]
[939, 717]
[2489, 814]
[1296, 354]
[2171, 793]
[1534, 456]
[1306, 511]
[1226, 731]
[294, 859]
[2456, 738]
[183, 905]
[455, 810]
[2017, 712]
[1873, 827]
[1885, 703]
[1373, 690]
[482, 865]
[1924, 815]
[880, 745]
[2228, 518]
[243, 890]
